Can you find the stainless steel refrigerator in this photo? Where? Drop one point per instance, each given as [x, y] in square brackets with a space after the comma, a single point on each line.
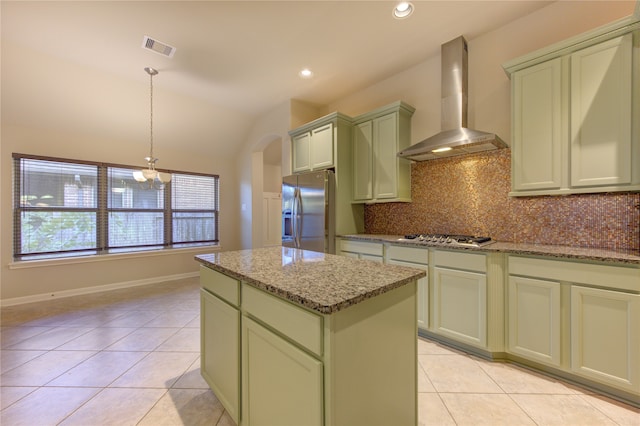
[308, 211]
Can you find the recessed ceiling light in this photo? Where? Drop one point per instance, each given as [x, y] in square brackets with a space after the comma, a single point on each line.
[402, 10]
[305, 73]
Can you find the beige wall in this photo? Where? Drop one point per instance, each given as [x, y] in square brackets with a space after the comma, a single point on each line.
[54, 88]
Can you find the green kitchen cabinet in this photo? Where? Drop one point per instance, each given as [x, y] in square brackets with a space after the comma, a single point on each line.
[360, 250]
[378, 174]
[314, 146]
[460, 297]
[573, 105]
[534, 326]
[220, 338]
[414, 258]
[579, 318]
[266, 356]
[605, 336]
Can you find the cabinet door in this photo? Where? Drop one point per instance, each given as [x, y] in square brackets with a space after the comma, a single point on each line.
[534, 319]
[220, 350]
[605, 336]
[601, 87]
[385, 160]
[322, 147]
[537, 127]
[301, 155]
[282, 385]
[363, 161]
[423, 293]
[460, 305]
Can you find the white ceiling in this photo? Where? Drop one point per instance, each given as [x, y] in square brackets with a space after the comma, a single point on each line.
[243, 57]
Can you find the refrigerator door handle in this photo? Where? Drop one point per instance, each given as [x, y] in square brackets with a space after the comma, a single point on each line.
[298, 221]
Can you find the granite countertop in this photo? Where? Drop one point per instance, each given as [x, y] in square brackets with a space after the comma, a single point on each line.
[628, 257]
[322, 282]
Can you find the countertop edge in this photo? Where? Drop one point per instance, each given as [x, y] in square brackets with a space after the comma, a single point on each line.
[558, 252]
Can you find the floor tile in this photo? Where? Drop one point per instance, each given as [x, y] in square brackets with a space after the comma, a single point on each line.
[192, 378]
[185, 340]
[10, 359]
[143, 339]
[97, 339]
[51, 339]
[566, 410]
[132, 319]
[46, 406]
[513, 379]
[426, 347]
[12, 335]
[172, 319]
[9, 395]
[115, 407]
[622, 414]
[432, 411]
[44, 368]
[424, 384]
[484, 409]
[457, 373]
[226, 420]
[100, 370]
[157, 370]
[193, 407]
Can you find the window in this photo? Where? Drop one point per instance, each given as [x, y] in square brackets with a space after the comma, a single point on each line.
[64, 207]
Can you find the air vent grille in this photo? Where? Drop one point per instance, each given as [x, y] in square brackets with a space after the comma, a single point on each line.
[158, 47]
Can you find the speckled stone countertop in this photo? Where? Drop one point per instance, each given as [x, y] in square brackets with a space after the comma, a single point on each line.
[322, 282]
[630, 257]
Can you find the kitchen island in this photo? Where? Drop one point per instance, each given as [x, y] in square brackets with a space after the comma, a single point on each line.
[305, 338]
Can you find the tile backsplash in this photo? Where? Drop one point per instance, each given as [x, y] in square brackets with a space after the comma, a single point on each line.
[469, 195]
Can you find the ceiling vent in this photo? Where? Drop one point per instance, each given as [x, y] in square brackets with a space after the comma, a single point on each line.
[158, 47]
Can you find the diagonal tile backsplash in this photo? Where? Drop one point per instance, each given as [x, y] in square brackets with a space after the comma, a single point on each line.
[469, 195]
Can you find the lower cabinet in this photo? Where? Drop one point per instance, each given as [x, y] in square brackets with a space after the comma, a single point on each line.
[460, 297]
[361, 250]
[581, 318]
[605, 336]
[534, 319]
[220, 350]
[414, 258]
[271, 397]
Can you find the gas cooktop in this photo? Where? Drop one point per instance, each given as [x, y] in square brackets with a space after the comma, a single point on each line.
[447, 240]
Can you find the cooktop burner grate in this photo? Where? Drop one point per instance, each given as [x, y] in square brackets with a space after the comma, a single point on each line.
[448, 239]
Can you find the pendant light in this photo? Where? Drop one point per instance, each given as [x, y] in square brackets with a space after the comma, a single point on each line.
[150, 175]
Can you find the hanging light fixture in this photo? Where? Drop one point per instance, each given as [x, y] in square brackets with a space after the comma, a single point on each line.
[150, 175]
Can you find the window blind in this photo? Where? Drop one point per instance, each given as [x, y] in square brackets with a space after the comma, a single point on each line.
[67, 207]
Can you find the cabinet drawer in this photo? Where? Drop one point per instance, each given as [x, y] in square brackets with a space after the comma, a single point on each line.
[458, 260]
[374, 249]
[221, 285]
[408, 254]
[615, 277]
[296, 323]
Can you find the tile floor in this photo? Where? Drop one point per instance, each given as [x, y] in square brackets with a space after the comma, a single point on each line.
[131, 357]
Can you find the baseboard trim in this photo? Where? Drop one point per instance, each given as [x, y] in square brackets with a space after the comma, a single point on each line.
[96, 289]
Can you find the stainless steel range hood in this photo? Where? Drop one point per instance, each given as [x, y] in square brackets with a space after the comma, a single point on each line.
[455, 138]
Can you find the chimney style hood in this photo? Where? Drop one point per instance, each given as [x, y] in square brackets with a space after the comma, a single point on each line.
[455, 138]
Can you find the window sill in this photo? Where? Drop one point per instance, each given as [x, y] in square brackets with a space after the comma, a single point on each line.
[38, 263]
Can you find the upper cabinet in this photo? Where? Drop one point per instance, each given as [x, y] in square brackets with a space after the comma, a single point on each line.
[572, 114]
[314, 145]
[378, 174]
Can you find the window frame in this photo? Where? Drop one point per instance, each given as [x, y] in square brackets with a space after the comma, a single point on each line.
[102, 212]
